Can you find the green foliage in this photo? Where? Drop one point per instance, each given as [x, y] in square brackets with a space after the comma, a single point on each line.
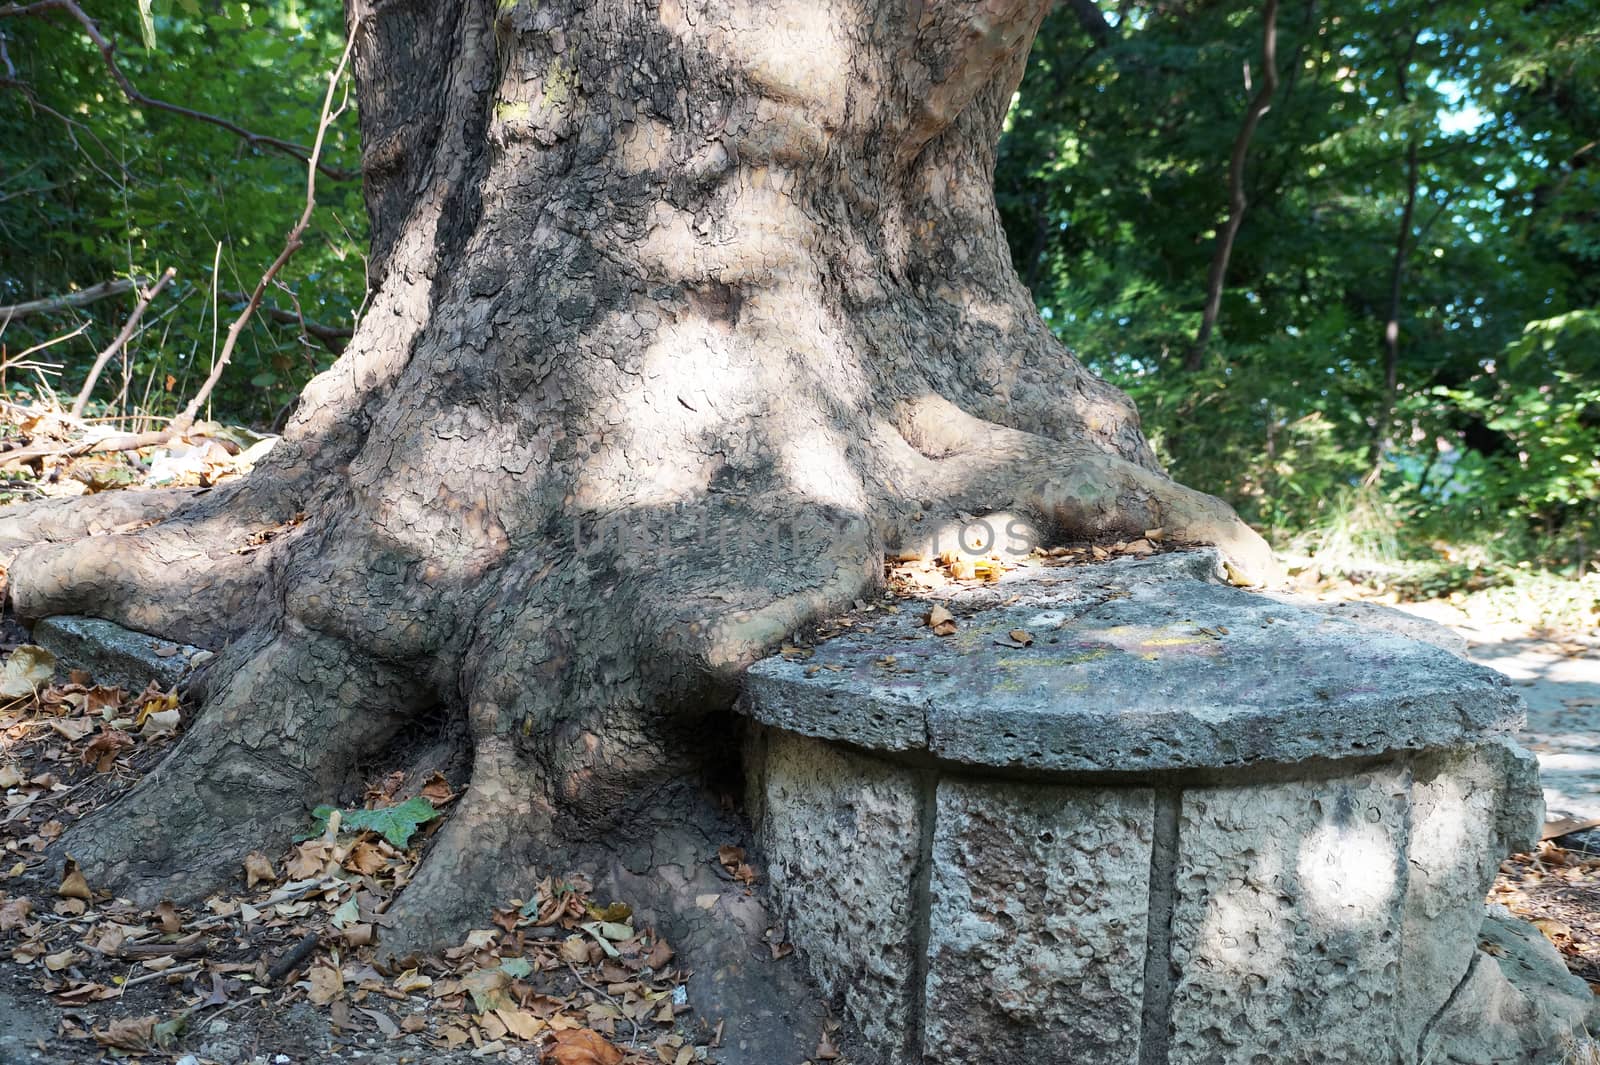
[1112, 182]
[394, 823]
[94, 188]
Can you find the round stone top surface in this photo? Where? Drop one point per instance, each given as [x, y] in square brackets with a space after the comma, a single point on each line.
[1130, 665]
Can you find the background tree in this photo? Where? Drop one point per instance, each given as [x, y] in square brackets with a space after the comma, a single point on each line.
[1113, 181]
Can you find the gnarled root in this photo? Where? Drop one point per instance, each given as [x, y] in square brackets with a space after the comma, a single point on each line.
[1072, 490]
[181, 564]
[290, 712]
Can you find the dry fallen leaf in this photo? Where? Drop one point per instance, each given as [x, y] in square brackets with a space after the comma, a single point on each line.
[1022, 636]
[327, 984]
[575, 950]
[161, 722]
[310, 859]
[365, 858]
[166, 915]
[941, 621]
[411, 980]
[27, 668]
[660, 955]
[135, 1035]
[14, 914]
[520, 1023]
[104, 748]
[257, 870]
[437, 790]
[73, 884]
[56, 962]
[72, 729]
[583, 1046]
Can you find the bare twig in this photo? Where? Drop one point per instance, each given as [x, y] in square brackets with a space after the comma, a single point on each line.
[113, 442]
[72, 127]
[291, 243]
[329, 336]
[176, 970]
[294, 958]
[603, 994]
[108, 53]
[66, 301]
[1404, 242]
[115, 346]
[16, 360]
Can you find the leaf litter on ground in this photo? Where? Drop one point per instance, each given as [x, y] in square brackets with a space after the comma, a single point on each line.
[559, 973]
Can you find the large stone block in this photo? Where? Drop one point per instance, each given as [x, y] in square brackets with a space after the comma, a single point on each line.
[1469, 808]
[1038, 920]
[1517, 1004]
[841, 837]
[1286, 922]
[1132, 666]
[1176, 824]
[114, 655]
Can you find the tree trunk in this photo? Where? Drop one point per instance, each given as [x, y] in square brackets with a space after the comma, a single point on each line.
[1383, 419]
[1260, 104]
[683, 312]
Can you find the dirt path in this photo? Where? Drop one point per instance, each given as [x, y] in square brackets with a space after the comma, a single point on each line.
[1559, 676]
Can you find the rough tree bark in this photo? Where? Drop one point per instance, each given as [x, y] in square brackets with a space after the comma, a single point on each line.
[724, 276]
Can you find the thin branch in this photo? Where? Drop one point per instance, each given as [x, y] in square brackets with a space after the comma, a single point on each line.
[1237, 202]
[81, 298]
[72, 125]
[96, 445]
[52, 342]
[1403, 244]
[291, 243]
[329, 336]
[116, 345]
[108, 53]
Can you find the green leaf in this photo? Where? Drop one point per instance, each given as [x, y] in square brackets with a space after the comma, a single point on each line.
[348, 913]
[516, 968]
[395, 823]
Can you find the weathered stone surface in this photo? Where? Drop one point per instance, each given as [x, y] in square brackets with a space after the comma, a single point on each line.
[114, 655]
[1134, 665]
[1469, 809]
[1378, 616]
[1311, 895]
[1286, 922]
[841, 836]
[1518, 1004]
[1037, 924]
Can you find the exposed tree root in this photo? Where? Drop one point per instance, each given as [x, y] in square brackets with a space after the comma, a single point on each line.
[289, 715]
[203, 579]
[1074, 492]
[24, 525]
